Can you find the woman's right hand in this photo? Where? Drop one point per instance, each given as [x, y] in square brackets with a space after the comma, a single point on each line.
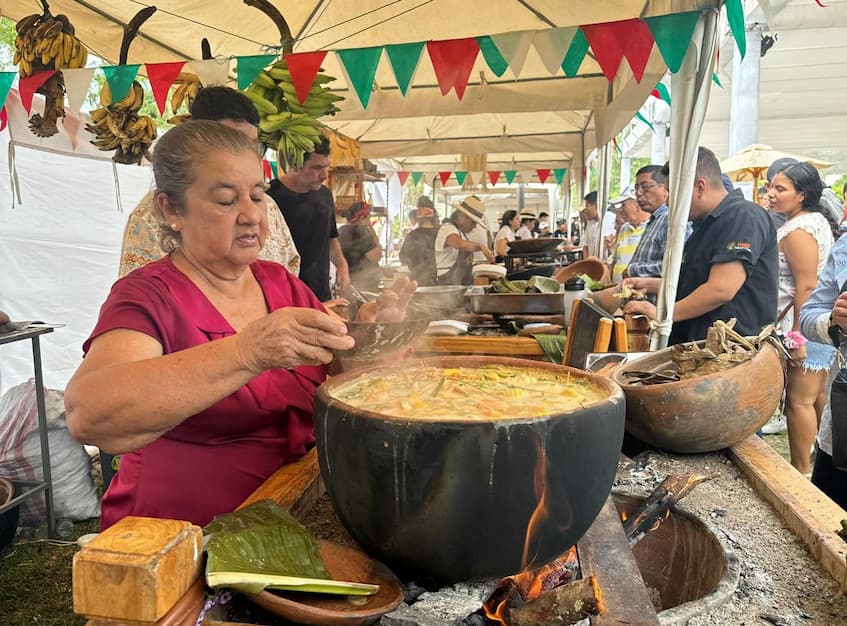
[642, 283]
[290, 337]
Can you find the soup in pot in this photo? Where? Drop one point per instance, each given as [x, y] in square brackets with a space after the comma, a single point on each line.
[460, 393]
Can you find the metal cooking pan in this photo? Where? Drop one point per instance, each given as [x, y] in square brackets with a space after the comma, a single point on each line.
[528, 246]
[480, 300]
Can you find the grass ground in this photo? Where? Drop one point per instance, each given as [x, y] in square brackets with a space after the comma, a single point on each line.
[35, 575]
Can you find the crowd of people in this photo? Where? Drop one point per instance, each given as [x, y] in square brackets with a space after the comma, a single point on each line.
[202, 367]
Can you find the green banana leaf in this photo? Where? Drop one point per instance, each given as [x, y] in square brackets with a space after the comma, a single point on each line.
[543, 284]
[262, 546]
[553, 346]
[593, 285]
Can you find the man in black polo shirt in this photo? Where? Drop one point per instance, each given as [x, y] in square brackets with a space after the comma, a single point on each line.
[729, 265]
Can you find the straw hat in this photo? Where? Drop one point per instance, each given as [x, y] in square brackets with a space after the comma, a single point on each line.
[473, 207]
[527, 214]
[425, 202]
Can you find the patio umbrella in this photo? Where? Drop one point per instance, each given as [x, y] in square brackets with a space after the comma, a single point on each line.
[753, 162]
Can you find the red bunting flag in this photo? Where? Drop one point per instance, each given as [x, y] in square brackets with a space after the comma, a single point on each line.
[402, 177]
[444, 176]
[4, 118]
[542, 175]
[266, 166]
[161, 77]
[494, 176]
[304, 66]
[29, 85]
[452, 60]
[611, 41]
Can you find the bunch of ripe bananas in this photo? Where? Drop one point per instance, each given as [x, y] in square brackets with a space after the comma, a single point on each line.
[44, 42]
[117, 126]
[286, 124]
[185, 92]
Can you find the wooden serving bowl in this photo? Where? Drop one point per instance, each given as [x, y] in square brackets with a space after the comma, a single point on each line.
[376, 339]
[453, 498]
[707, 413]
[595, 269]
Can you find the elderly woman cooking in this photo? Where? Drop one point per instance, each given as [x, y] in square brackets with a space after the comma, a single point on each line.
[202, 368]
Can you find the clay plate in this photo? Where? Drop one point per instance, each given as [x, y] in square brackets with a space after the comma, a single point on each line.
[343, 563]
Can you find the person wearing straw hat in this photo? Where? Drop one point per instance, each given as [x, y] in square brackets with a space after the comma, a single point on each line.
[453, 250]
[528, 221]
[418, 249]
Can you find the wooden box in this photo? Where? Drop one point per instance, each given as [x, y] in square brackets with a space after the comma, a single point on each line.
[137, 569]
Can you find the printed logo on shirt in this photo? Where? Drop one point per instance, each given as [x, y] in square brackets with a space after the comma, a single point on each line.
[738, 245]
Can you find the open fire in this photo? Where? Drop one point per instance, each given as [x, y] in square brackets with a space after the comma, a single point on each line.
[560, 586]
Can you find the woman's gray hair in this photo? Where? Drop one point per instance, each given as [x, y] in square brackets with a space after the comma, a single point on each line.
[178, 153]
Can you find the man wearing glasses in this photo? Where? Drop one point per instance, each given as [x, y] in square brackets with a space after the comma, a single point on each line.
[140, 244]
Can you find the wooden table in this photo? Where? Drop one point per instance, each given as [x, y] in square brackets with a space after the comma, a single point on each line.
[522, 347]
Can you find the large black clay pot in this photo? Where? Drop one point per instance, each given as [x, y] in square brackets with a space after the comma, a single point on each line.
[453, 499]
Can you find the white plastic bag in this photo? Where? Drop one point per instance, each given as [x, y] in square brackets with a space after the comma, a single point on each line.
[74, 495]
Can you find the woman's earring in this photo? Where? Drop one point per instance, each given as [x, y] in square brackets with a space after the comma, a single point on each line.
[173, 227]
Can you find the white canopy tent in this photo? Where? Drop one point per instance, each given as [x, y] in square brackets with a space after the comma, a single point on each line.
[538, 118]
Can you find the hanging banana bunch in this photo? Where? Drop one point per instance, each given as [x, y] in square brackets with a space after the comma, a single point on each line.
[187, 88]
[286, 124]
[44, 42]
[118, 126]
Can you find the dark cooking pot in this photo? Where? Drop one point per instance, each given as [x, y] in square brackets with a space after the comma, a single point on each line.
[453, 499]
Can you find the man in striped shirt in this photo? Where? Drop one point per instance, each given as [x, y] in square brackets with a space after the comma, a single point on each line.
[651, 193]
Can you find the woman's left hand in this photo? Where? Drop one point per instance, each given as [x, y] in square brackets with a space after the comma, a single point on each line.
[640, 307]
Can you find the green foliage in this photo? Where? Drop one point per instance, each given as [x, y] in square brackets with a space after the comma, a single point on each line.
[7, 44]
[838, 185]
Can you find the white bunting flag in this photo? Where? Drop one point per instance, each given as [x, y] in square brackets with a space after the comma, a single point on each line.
[211, 71]
[514, 47]
[552, 45]
[77, 82]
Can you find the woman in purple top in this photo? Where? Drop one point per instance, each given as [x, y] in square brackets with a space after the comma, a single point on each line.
[202, 367]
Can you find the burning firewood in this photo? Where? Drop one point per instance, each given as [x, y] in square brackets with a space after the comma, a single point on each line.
[548, 595]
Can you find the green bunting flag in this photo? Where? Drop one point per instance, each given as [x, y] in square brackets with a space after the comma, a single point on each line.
[404, 59]
[416, 177]
[735, 17]
[460, 177]
[663, 92]
[249, 67]
[120, 79]
[559, 173]
[360, 65]
[576, 54]
[274, 169]
[673, 35]
[6, 80]
[491, 54]
[510, 175]
[716, 80]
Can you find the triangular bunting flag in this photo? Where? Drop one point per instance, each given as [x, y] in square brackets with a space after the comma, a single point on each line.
[460, 177]
[211, 71]
[551, 44]
[120, 79]
[161, 77]
[617, 147]
[495, 61]
[575, 54]
[27, 87]
[304, 67]
[559, 173]
[735, 17]
[611, 41]
[526, 176]
[248, 67]
[493, 177]
[360, 66]
[452, 60]
[404, 59]
[444, 176]
[673, 34]
[476, 178]
[716, 80]
[6, 80]
[662, 93]
[77, 83]
[542, 175]
[266, 168]
[514, 47]
[510, 175]
[416, 177]
[274, 170]
[71, 126]
[402, 176]
[4, 119]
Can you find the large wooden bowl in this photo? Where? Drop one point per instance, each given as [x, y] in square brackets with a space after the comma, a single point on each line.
[453, 499]
[706, 413]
